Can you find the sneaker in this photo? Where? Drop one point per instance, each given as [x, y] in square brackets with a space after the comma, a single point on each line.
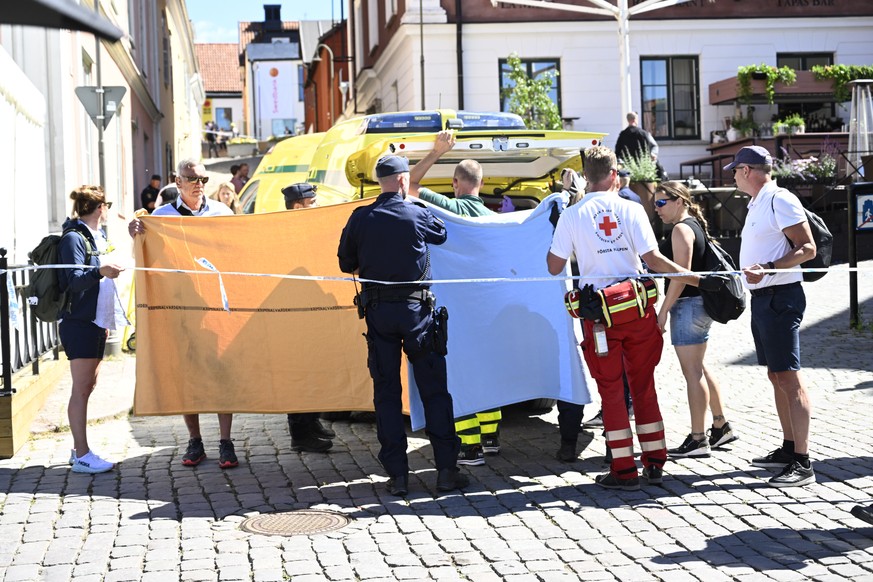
[226, 455]
[774, 460]
[311, 444]
[595, 421]
[721, 436]
[471, 455]
[864, 513]
[72, 457]
[690, 448]
[610, 481]
[653, 474]
[195, 453]
[91, 463]
[794, 475]
[490, 445]
[567, 452]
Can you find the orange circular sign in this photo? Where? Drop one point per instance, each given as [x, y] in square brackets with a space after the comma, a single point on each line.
[274, 72]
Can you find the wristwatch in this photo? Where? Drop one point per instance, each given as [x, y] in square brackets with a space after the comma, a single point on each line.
[771, 266]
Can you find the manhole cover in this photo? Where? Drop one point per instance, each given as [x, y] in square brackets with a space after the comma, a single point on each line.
[295, 523]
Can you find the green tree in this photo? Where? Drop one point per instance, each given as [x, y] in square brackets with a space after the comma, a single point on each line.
[529, 97]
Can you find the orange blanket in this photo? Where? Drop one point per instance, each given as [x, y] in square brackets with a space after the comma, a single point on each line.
[286, 345]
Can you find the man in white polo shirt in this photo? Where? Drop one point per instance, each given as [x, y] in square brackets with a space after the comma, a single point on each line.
[776, 236]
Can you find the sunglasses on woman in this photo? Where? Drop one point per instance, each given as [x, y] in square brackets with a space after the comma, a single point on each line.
[662, 202]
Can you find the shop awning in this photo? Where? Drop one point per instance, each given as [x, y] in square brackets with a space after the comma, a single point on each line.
[64, 14]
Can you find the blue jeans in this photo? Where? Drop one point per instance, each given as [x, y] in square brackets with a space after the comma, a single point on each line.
[689, 323]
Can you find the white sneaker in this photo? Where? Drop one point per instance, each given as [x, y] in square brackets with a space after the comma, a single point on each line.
[72, 457]
[91, 463]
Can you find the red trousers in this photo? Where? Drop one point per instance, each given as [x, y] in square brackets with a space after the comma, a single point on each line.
[634, 348]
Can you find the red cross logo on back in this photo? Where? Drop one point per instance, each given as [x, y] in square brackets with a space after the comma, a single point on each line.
[607, 225]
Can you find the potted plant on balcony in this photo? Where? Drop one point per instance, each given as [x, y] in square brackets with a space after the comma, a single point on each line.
[771, 75]
[795, 124]
[779, 128]
[841, 76]
[745, 126]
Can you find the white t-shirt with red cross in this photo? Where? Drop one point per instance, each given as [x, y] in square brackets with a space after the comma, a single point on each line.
[608, 235]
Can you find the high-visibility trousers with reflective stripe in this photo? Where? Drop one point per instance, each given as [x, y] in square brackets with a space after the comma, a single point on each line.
[470, 428]
[635, 348]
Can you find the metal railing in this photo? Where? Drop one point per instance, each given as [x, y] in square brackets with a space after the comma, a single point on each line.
[31, 339]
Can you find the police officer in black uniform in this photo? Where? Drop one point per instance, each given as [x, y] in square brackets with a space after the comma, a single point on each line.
[388, 241]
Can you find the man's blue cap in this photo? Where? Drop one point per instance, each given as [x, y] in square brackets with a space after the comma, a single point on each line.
[754, 155]
[298, 191]
[390, 165]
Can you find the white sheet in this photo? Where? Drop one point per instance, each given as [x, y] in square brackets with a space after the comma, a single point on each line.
[508, 341]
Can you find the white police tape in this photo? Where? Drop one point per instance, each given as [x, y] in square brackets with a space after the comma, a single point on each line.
[205, 263]
[212, 268]
[224, 301]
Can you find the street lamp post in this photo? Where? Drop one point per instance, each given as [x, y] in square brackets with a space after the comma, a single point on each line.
[318, 58]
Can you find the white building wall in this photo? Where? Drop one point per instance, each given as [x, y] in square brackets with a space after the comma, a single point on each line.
[589, 56]
[22, 114]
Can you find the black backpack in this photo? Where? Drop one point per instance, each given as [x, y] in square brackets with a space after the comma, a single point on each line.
[43, 293]
[729, 302]
[823, 239]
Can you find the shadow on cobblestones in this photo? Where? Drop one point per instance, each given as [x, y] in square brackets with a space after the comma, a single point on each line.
[770, 549]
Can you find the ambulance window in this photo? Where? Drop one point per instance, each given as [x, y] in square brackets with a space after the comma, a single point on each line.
[248, 196]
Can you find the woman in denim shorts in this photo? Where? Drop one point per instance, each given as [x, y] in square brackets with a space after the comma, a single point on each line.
[83, 339]
[689, 328]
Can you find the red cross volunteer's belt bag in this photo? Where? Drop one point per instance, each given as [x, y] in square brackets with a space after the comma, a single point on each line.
[619, 303]
[627, 300]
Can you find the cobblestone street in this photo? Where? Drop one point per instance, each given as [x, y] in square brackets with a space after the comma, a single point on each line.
[525, 517]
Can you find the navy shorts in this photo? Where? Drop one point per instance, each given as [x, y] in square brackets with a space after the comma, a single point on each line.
[776, 316]
[82, 339]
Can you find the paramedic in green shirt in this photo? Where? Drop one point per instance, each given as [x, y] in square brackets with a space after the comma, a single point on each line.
[479, 433]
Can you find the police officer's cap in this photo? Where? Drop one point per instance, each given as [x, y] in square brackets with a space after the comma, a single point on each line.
[390, 165]
[300, 191]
